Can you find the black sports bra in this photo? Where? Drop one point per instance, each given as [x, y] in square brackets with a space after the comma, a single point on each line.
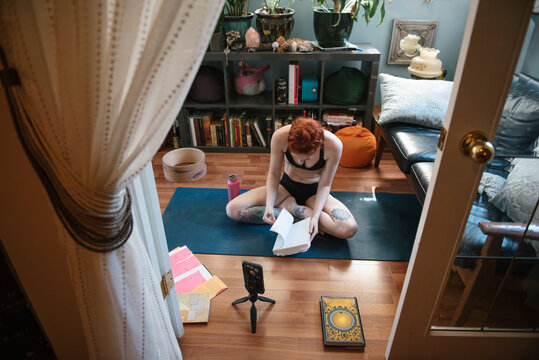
[320, 164]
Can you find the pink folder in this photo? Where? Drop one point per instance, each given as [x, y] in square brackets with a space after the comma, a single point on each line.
[184, 266]
[190, 282]
[180, 255]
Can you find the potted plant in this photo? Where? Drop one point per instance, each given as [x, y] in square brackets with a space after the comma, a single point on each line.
[333, 26]
[273, 20]
[237, 18]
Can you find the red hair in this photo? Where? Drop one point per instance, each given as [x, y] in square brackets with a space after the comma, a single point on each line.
[305, 135]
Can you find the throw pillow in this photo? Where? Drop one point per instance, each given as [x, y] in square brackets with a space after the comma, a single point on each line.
[345, 87]
[520, 193]
[420, 102]
[490, 184]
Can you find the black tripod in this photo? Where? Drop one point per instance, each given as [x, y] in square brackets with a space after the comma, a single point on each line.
[252, 297]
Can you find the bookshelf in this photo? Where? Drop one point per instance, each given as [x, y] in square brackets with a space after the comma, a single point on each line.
[318, 63]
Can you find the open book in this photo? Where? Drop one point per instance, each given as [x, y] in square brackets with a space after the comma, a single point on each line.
[291, 238]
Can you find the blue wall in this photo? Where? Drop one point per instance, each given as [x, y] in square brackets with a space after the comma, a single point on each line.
[450, 14]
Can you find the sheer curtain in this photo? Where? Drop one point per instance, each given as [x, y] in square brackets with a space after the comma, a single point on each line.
[94, 87]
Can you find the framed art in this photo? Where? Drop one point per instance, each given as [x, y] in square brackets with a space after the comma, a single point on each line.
[425, 29]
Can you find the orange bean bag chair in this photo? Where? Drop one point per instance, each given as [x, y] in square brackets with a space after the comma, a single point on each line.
[359, 146]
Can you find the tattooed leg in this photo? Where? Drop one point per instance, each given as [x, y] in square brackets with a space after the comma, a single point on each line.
[340, 215]
[254, 215]
[301, 212]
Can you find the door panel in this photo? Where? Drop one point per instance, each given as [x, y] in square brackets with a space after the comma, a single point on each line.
[494, 34]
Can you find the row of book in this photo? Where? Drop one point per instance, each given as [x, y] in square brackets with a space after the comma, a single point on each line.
[239, 130]
[252, 129]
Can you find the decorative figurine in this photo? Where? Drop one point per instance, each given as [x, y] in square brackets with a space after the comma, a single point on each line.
[252, 39]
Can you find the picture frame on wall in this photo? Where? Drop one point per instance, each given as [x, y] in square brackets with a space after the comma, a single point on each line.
[425, 29]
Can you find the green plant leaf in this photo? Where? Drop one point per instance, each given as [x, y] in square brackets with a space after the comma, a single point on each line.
[382, 12]
[374, 6]
[366, 10]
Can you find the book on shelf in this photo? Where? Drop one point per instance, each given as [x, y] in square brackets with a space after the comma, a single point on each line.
[206, 121]
[237, 133]
[258, 132]
[199, 131]
[214, 125]
[292, 238]
[225, 126]
[341, 322]
[194, 307]
[338, 118]
[243, 132]
[191, 121]
[248, 135]
[293, 82]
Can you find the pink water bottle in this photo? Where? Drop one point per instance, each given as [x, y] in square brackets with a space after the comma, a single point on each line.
[233, 186]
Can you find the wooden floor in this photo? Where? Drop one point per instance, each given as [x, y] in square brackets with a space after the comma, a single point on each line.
[291, 328]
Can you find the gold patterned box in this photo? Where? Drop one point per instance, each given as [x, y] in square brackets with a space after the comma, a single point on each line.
[341, 323]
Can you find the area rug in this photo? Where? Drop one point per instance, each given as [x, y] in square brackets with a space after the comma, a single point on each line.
[387, 225]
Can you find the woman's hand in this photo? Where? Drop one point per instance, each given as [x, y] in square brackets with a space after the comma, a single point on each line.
[313, 227]
[269, 217]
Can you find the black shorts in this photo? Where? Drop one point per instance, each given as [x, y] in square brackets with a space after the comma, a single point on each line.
[299, 191]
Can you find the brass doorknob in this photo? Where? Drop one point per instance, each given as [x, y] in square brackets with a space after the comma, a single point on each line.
[477, 146]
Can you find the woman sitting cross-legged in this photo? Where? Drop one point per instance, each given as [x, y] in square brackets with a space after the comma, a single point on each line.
[311, 156]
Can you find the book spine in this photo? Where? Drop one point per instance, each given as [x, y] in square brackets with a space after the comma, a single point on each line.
[198, 132]
[213, 131]
[231, 131]
[243, 131]
[259, 132]
[206, 120]
[296, 84]
[236, 132]
[291, 82]
[192, 130]
[269, 128]
[224, 124]
[248, 135]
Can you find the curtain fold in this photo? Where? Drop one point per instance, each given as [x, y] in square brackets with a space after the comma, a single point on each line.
[100, 84]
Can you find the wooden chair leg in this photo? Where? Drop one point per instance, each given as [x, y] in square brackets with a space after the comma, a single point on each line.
[475, 287]
[381, 144]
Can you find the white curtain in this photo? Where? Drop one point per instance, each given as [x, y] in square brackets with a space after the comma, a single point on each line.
[94, 88]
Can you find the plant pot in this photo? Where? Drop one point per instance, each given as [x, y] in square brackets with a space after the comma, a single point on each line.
[216, 41]
[328, 35]
[238, 23]
[271, 26]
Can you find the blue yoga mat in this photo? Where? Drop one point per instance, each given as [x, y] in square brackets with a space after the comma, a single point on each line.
[387, 226]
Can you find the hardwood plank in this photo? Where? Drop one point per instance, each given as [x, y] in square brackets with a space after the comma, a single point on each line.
[291, 328]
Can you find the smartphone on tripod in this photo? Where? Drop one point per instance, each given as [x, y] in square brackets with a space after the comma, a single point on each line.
[253, 277]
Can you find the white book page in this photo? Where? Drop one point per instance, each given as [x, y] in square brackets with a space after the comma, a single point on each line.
[283, 223]
[298, 234]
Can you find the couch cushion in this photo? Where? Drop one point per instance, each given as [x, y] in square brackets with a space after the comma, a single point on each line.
[420, 176]
[519, 124]
[410, 144]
